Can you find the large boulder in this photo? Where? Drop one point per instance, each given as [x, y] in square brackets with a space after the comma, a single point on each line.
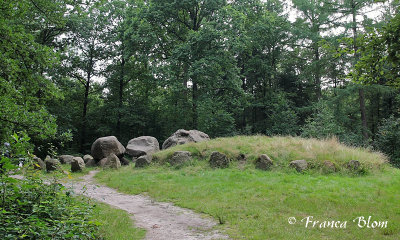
[143, 161]
[77, 164]
[105, 146]
[183, 136]
[52, 164]
[179, 158]
[218, 160]
[144, 145]
[65, 159]
[299, 165]
[263, 162]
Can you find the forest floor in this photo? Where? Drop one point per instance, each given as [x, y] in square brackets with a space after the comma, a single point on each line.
[160, 220]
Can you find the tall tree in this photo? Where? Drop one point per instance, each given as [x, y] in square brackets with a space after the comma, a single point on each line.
[316, 18]
[86, 52]
[25, 59]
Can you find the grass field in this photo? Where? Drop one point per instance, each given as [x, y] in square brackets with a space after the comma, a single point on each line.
[253, 204]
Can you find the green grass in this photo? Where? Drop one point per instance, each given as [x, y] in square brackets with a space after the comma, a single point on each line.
[283, 150]
[254, 204]
[116, 224]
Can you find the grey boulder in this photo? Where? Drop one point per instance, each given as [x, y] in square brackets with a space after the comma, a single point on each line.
[112, 161]
[77, 164]
[183, 136]
[144, 145]
[52, 164]
[218, 160]
[263, 162]
[65, 159]
[105, 146]
[179, 158]
[143, 161]
[299, 165]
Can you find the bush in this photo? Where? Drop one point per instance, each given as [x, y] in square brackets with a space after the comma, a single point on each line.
[31, 209]
[388, 139]
[322, 124]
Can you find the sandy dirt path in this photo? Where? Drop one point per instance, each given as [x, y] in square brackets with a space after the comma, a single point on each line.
[162, 221]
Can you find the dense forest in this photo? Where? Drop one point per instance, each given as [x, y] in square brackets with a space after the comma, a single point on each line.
[72, 71]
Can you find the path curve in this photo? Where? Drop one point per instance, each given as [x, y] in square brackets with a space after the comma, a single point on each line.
[162, 221]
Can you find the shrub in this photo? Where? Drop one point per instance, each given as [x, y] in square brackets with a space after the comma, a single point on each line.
[31, 209]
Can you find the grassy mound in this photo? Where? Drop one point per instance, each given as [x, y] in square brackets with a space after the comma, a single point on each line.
[282, 150]
[254, 204]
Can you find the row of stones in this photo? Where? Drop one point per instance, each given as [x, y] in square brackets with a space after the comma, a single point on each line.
[263, 162]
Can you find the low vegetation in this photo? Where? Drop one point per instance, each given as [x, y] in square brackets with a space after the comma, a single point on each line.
[255, 204]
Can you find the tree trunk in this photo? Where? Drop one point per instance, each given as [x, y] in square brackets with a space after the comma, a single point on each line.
[120, 99]
[84, 112]
[194, 105]
[317, 83]
[363, 113]
[360, 90]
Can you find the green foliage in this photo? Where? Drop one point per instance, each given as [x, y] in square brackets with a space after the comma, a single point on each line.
[23, 61]
[379, 62]
[322, 124]
[33, 209]
[388, 139]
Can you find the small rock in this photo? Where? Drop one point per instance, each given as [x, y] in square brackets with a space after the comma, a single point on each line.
[77, 164]
[353, 165]
[52, 164]
[65, 159]
[300, 165]
[218, 160]
[263, 162]
[329, 166]
[87, 158]
[179, 158]
[143, 161]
